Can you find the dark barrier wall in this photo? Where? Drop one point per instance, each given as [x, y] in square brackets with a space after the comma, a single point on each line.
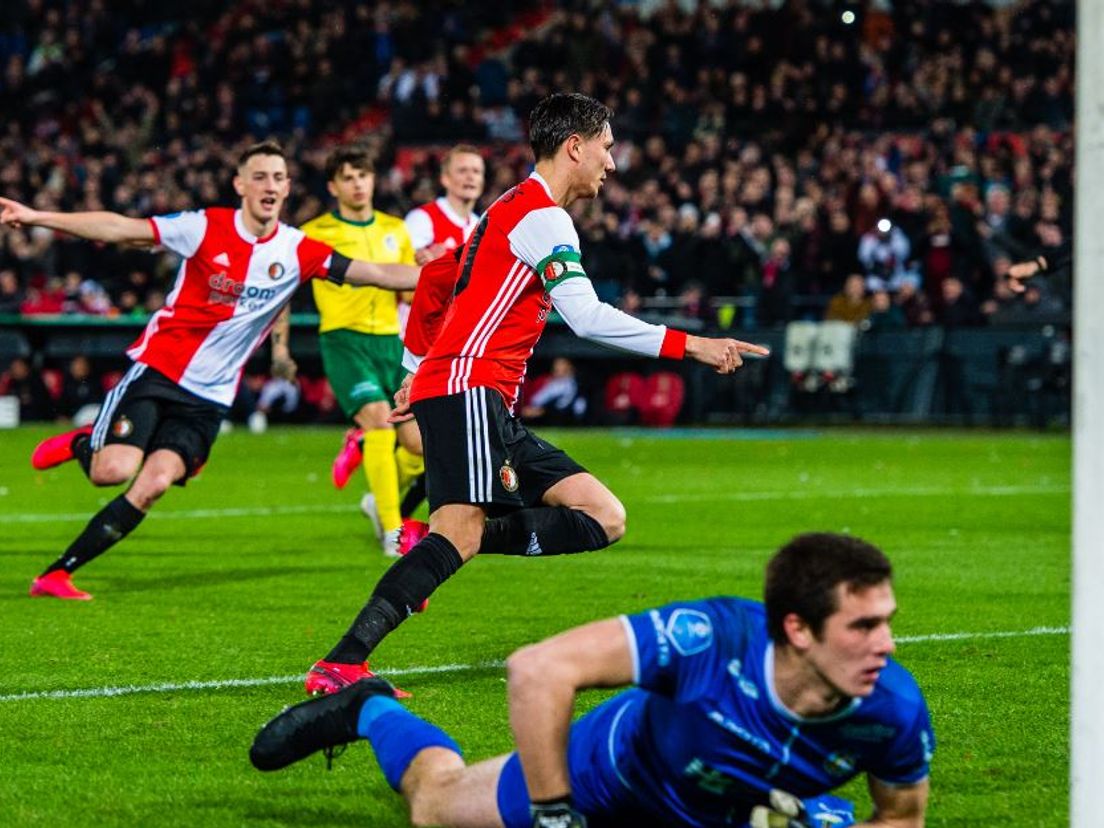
[978, 376]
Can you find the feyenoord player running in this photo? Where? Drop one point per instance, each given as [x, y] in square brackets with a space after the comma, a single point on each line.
[521, 262]
[240, 267]
[439, 227]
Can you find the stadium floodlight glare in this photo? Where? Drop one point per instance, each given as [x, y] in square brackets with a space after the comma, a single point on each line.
[848, 17]
[884, 225]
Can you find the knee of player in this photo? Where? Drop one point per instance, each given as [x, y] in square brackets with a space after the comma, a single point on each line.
[108, 472]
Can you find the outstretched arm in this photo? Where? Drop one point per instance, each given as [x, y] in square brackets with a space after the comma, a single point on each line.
[96, 226]
[593, 319]
[387, 276]
[542, 682]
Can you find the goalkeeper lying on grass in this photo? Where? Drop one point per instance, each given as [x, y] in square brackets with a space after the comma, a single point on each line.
[742, 714]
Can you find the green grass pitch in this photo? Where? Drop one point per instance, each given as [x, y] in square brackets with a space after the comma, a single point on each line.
[255, 569]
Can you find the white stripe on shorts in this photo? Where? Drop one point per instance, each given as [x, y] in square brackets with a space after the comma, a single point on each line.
[111, 402]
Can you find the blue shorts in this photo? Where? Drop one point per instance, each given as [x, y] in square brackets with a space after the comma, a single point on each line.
[597, 786]
[609, 795]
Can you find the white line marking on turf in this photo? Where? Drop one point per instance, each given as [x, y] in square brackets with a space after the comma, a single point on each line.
[792, 494]
[224, 684]
[227, 684]
[963, 636]
[829, 493]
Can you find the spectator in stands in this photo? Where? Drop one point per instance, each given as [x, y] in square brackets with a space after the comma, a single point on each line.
[22, 382]
[556, 399]
[914, 304]
[884, 314]
[79, 388]
[958, 310]
[884, 253]
[851, 304]
[11, 292]
[777, 285]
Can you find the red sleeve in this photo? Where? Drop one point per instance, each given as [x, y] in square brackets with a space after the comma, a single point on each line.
[314, 259]
[432, 298]
[156, 231]
[674, 344]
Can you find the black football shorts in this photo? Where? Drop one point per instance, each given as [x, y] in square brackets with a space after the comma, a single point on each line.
[477, 452]
[150, 411]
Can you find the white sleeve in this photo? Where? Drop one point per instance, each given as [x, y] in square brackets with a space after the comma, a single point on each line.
[546, 241]
[420, 227]
[591, 318]
[181, 232]
[411, 361]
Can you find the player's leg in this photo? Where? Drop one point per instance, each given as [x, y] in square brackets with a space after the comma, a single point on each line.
[361, 369]
[417, 758]
[464, 444]
[381, 470]
[410, 458]
[569, 511]
[111, 455]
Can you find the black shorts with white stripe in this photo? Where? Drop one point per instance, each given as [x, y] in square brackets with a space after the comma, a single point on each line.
[477, 452]
[149, 411]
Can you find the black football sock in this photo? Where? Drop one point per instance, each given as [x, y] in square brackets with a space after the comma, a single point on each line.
[413, 497]
[400, 591]
[544, 530]
[82, 451]
[108, 526]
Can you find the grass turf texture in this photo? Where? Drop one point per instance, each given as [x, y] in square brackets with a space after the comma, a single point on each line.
[977, 525]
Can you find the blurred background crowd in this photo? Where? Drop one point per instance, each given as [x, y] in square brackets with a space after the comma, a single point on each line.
[881, 163]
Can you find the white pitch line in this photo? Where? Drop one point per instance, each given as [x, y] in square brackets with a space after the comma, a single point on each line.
[224, 684]
[228, 684]
[717, 496]
[920, 639]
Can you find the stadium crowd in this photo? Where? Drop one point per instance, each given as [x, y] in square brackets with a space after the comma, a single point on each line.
[764, 154]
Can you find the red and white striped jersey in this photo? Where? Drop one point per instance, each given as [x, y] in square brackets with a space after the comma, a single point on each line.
[521, 260]
[437, 223]
[227, 293]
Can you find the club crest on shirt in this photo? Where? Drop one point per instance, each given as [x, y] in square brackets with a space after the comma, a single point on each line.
[122, 427]
[508, 477]
[391, 243]
[275, 271]
[689, 631]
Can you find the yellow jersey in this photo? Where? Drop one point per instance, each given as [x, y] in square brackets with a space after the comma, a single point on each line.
[382, 239]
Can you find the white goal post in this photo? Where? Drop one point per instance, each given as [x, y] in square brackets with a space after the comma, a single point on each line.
[1087, 731]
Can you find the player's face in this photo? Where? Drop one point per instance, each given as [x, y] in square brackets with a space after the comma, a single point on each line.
[263, 184]
[595, 162]
[464, 177]
[856, 640]
[353, 187]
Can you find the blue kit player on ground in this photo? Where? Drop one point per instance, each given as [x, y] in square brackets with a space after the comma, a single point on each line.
[742, 714]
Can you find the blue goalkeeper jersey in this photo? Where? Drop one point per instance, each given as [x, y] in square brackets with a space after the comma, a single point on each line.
[703, 738]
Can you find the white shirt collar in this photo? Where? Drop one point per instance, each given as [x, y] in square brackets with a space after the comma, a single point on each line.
[777, 704]
[543, 183]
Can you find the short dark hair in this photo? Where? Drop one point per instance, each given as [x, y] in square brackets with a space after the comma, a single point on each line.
[269, 147]
[559, 116]
[803, 575]
[357, 156]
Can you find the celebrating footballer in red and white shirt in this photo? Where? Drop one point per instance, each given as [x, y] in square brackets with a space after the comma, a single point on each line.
[157, 426]
[521, 262]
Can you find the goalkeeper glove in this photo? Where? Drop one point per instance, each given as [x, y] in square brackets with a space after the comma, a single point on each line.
[787, 811]
[556, 813]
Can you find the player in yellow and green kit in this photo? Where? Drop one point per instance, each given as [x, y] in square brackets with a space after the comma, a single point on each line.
[359, 336]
